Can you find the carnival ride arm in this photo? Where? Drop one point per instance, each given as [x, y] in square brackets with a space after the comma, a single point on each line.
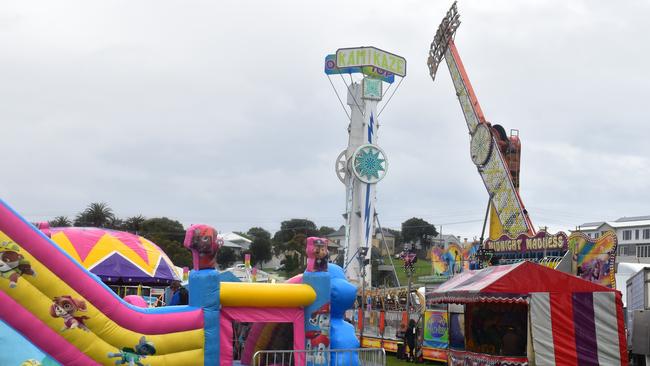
[490, 162]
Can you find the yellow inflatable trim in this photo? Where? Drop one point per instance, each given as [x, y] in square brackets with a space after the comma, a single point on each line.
[263, 295]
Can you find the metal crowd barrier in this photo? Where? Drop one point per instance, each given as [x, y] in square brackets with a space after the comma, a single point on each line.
[333, 357]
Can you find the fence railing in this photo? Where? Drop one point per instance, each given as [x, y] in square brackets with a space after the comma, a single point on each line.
[314, 357]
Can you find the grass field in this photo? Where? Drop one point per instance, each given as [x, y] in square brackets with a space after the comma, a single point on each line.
[391, 360]
[422, 268]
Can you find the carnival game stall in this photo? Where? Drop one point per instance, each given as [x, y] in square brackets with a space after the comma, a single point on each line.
[526, 313]
[383, 316]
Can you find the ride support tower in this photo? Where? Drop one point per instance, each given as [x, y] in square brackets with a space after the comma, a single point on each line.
[363, 163]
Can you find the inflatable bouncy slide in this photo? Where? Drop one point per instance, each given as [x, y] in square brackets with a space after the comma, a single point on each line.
[66, 315]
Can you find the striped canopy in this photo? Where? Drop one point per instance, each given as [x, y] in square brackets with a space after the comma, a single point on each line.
[509, 283]
[573, 321]
[116, 256]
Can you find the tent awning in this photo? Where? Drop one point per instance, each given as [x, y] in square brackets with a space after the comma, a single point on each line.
[509, 283]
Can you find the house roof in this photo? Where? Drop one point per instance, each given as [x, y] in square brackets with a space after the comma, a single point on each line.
[621, 222]
[630, 223]
[448, 238]
[339, 232]
[633, 218]
[591, 225]
[235, 238]
[387, 233]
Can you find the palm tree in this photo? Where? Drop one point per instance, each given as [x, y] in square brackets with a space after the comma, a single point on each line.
[115, 223]
[134, 224]
[97, 214]
[60, 221]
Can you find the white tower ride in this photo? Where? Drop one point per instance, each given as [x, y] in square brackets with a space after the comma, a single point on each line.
[363, 163]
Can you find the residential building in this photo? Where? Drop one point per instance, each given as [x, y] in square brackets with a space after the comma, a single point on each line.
[445, 240]
[633, 234]
[388, 238]
[336, 241]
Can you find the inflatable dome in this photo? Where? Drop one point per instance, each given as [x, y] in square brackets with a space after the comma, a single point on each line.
[116, 256]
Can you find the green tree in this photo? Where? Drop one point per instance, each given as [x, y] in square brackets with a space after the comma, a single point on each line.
[284, 238]
[291, 264]
[226, 257]
[115, 223]
[323, 231]
[261, 247]
[97, 214]
[416, 230]
[290, 240]
[60, 221]
[168, 235]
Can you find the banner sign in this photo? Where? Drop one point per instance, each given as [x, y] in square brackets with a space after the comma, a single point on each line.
[434, 354]
[371, 56]
[524, 243]
[594, 259]
[371, 71]
[436, 329]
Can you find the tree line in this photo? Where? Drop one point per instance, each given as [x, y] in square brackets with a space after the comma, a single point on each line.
[289, 241]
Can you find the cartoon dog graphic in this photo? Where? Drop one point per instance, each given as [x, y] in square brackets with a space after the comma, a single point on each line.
[133, 356]
[319, 346]
[317, 254]
[65, 307]
[321, 319]
[13, 265]
[204, 243]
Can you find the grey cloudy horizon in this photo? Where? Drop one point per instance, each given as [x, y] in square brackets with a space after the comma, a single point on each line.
[220, 113]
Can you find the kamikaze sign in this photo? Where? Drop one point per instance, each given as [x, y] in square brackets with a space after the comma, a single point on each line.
[371, 56]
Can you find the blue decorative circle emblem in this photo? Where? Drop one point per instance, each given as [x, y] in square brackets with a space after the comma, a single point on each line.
[369, 163]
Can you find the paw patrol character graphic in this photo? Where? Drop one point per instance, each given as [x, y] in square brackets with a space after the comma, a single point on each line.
[133, 356]
[311, 346]
[321, 319]
[204, 243]
[13, 265]
[317, 254]
[319, 345]
[65, 307]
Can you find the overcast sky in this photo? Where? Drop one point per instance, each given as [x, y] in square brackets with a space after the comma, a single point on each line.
[220, 112]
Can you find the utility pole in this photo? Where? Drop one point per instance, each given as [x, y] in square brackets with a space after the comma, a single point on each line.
[363, 262]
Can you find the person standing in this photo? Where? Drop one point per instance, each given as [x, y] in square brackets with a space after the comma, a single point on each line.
[180, 296]
[411, 336]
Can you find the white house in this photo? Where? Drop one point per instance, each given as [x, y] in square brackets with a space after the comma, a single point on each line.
[633, 234]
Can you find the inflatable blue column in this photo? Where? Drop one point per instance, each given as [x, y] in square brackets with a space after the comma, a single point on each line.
[205, 284]
[342, 333]
[204, 293]
[317, 318]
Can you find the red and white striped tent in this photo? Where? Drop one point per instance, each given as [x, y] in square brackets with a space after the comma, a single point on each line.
[572, 321]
